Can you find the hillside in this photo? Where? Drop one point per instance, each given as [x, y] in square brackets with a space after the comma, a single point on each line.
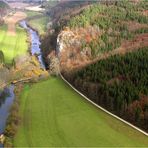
[103, 52]
[104, 28]
[59, 15]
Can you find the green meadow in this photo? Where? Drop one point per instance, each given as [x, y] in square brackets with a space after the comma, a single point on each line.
[13, 46]
[32, 13]
[53, 115]
[38, 21]
[39, 24]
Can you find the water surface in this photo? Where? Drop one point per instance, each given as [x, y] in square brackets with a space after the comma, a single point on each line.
[35, 43]
[5, 105]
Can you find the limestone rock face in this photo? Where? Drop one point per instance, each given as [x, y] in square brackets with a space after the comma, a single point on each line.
[68, 48]
[65, 39]
[72, 46]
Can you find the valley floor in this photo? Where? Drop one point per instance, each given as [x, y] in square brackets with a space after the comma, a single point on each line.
[54, 115]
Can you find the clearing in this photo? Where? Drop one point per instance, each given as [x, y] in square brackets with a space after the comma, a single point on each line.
[12, 20]
[54, 115]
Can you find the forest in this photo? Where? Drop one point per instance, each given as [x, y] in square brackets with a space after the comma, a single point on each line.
[112, 20]
[120, 84]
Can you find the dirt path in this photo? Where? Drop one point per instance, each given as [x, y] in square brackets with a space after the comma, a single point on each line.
[12, 20]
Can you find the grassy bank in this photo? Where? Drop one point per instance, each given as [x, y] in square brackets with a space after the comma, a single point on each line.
[13, 46]
[54, 115]
[38, 21]
[39, 24]
[32, 13]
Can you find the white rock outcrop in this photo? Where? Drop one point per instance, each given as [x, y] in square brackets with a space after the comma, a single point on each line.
[64, 39]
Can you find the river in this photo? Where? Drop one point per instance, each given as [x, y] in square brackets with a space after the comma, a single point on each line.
[7, 99]
[35, 43]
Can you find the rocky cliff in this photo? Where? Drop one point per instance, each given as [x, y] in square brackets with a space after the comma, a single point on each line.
[71, 46]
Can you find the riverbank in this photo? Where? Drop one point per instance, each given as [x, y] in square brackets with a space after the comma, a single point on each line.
[37, 21]
[39, 24]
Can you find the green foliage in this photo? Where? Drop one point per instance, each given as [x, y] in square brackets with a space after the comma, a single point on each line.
[130, 70]
[39, 23]
[32, 13]
[104, 15]
[85, 18]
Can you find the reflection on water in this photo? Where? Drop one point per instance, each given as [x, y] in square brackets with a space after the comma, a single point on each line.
[6, 100]
[3, 95]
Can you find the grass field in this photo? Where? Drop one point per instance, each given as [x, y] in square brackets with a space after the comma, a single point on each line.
[32, 13]
[13, 46]
[54, 115]
[40, 24]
